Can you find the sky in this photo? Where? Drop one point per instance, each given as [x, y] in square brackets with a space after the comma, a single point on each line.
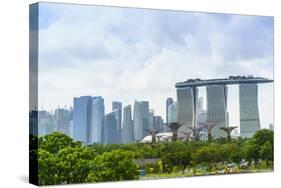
[128, 54]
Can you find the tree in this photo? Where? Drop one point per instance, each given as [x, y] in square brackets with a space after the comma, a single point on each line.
[47, 168]
[114, 166]
[262, 136]
[75, 163]
[260, 146]
[56, 141]
[175, 154]
[208, 154]
[251, 151]
[266, 151]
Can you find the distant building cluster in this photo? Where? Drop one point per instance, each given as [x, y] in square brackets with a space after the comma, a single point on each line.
[88, 123]
[59, 120]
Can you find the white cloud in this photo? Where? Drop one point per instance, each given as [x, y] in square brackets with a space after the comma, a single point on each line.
[124, 54]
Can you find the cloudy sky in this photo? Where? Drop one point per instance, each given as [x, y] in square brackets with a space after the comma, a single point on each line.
[127, 54]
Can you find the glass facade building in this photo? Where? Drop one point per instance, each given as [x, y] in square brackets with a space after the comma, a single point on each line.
[151, 119]
[249, 112]
[141, 119]
[62, 118]
[128, 129]
[117, 107]
[172, 112]
[110, 133]
[97, 119]
[158, 122]
[82, 110]
[169, 101]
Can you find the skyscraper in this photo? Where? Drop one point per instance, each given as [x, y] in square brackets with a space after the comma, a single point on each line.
[62, 119]
[141, 122]
[117, 108]
[42, 122]
[82, 111]
[249, 112]
[187, 98]
[151, 119]
[172, 112]
[128, 129]
[158, 123]
[97, 119]
[110, 133]
[217, 108]
[169, 101]
[45, 124]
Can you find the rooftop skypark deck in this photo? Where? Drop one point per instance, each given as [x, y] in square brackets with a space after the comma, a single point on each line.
[226, 81]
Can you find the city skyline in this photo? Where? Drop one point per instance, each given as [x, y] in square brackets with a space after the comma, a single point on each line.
[143, 63]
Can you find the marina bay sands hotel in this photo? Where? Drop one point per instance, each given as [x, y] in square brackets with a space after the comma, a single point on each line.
[216, 92]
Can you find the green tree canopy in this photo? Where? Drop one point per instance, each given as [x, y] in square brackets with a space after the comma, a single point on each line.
[113, 166]
[56, 141]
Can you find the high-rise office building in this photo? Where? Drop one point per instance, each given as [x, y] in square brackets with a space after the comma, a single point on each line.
[71, 129]
[141, 116]
[110, 132]
[158, 123]
[169, 101]
[128, 129]
[151, 119]
[97, 119]
[117, 108]
[82, 117]
[249, 112]
[46, 123]
[62, 120]
[172, 113]
[217, 108]
[42, 122]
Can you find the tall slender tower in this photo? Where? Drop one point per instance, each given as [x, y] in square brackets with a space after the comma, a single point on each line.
[110, 133]
[141, 119]
[82, 111]
[97, 119]
[172, 113]
[187, 98]
[249, 112]
[127, 133]
[117, 107]
[217, 108]
[169, 101]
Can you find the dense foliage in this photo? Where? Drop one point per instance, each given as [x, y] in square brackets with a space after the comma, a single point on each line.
[62, 160]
